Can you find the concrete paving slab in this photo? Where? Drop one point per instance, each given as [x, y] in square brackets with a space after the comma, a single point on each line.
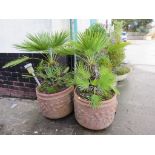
[141, 52]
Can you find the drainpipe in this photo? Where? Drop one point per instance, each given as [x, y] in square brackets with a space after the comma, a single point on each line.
[73, 33]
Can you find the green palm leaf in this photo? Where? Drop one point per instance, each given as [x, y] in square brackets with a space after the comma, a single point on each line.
[16, 62]
[82, 77]
[43, 41]
[96, 101]
[106, 80]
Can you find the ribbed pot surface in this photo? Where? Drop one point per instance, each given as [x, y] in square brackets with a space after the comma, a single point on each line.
[56, 105]
[95, 119]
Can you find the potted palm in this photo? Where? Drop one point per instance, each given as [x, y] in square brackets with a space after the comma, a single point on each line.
[54, 95]
[116, 52]
[95, 99]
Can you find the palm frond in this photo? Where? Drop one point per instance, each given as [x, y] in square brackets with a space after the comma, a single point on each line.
[82, 77]
[90, 42]
[95, 100]
[43, 41]
[82, 71]
[58, 39]
[36, 42]
[98, 28]
[106, 80]
[66, 49]
[16, 62]
[82, 84]
[117, 46]
[116, 53]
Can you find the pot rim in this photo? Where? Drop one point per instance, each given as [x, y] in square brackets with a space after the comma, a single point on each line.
[55, 94]
[123, 74]
[87, 103]
[126, 73]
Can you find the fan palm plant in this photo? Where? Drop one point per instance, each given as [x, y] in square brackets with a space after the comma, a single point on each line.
[95, 99]
[50, 46]
[47, 44]
[94, 82]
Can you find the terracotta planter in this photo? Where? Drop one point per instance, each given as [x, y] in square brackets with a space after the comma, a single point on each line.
[56, 105]
[124, 76]
[95, 119]
[121, 77]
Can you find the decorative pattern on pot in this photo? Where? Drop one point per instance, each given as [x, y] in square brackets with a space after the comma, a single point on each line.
[95, 119]
[56, 105]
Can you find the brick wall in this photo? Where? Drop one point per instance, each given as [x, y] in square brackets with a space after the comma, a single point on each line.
[12, 83]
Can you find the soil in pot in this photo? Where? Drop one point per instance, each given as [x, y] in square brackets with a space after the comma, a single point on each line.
[94, 118]
[56, 105]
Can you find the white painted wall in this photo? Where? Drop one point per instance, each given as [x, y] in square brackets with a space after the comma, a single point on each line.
[14, 31]
[60, 24]
[83, 24]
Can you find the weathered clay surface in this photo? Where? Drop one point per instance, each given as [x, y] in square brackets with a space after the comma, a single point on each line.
[95, 119]
[122, 77]
[56, 105]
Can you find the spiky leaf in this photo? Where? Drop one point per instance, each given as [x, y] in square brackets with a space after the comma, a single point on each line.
[106, 79]
[16, 62]
[95, 100]
[43, 41]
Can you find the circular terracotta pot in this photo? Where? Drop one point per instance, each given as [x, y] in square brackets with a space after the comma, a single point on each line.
[124, 76]
[95, 119]
[121, 77]
[56, 105]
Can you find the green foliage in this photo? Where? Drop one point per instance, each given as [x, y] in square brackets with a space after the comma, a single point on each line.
[89, 44]
[116, 47]
[94, 81]
[96, 100]
[54, 76]
[43, 41]
[99, 28]
[82, 76]
[105, 61]
[98, 89]
[121, 70]
[106, 80]
[16, 62]
[82, 71]
[46, 88]
[116, 34]
[116, 53]
[135, 25]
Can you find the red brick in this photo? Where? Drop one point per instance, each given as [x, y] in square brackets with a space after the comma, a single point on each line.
[31, 95]
[4, 92]
[17, 93]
